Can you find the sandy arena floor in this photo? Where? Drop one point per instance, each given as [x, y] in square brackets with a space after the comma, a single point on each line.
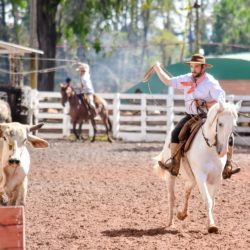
[106, 196]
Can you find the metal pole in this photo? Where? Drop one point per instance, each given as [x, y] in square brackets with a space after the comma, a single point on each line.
[33, 43]
[197, 27]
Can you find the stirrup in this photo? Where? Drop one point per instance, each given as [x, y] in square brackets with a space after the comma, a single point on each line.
[228, 172]
[169, 167]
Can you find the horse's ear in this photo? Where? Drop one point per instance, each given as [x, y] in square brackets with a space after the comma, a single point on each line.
[221, 107]
[238, 105]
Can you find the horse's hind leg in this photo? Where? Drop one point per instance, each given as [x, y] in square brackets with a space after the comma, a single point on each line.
[107, 123]
[171, 198]
[107, 126]
[189, 185]
[94, 128]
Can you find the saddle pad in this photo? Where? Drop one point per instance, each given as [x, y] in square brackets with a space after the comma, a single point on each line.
[195, 128]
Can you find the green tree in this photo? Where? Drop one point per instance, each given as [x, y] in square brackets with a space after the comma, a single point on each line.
[80, 21]
[16, 13]
[232, 24]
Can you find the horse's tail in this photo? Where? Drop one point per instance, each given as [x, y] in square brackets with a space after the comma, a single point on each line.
[157, 169]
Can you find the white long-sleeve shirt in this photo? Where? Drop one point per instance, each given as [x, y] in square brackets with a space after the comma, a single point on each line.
[208, 89]
[86, 84]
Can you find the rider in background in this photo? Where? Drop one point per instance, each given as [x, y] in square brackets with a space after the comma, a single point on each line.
[86, 87]
[67, 81]
[200, 90]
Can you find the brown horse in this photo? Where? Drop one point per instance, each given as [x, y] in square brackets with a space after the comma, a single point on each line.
[79, 111]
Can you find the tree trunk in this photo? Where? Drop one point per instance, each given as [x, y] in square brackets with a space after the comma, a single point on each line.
[47, 38]
[3, 28]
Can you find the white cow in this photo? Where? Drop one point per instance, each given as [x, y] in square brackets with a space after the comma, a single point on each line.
[15, 160]
[5, 112]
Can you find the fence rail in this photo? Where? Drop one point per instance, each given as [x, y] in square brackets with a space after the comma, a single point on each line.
[135, 117]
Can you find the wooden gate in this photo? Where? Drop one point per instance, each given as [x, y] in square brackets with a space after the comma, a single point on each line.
[12, 233]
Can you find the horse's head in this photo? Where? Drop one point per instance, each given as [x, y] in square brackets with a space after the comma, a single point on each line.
[66, 92]
[222, 118]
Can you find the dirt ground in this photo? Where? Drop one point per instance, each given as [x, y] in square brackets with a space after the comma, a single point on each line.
[106, 196]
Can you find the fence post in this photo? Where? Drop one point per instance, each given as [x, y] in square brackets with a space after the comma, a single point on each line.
[143, 116]
[170, 112]
[66, 120]
[34, 106]
[116, 115]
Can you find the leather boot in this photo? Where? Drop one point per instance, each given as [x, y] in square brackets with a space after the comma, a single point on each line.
[228, 169]
[173, 166]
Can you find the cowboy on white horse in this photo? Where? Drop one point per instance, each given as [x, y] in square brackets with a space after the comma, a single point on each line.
[200, 90]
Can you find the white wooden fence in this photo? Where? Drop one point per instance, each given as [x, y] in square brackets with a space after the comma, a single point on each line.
[135, 117]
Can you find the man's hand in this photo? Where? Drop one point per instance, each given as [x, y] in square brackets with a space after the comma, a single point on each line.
[157, 65]
[200, 103]
[203, 103]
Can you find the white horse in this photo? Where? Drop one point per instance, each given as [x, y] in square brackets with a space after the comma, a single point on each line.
[204, 162]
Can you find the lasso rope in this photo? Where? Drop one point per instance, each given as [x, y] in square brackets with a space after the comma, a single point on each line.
[42, 59]
[47, 70]
[147, 77]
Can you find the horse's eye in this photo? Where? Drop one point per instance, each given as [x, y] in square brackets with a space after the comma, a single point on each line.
[220, 124]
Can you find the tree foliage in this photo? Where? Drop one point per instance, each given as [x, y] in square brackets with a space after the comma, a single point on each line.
[232, 23]
[13, 10]
[90, 23]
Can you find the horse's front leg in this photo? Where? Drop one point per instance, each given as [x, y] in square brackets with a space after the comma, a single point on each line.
[212, 188]
[209, 200]
[74, 131]
[94, 128]
[80, 131]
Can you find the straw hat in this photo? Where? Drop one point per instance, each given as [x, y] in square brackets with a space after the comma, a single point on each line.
[199, 59]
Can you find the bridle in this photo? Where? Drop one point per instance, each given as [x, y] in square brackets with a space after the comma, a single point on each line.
[207, 140]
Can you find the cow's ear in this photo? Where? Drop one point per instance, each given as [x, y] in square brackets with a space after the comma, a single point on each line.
[37, 142]
[3, 127]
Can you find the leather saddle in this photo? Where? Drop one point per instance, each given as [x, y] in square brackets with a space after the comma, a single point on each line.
[91, 110]
[189, 130]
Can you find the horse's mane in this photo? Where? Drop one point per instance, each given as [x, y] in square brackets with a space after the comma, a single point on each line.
[221, 108]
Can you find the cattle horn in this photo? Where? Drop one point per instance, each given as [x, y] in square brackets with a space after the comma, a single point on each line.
[36, 127]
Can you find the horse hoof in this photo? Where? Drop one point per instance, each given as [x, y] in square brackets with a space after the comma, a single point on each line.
[169, 224]
[213, 229]
[181, 216]
[109, 140]
[4, 200]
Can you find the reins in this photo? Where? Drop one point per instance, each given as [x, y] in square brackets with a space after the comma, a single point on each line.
[207, 140]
